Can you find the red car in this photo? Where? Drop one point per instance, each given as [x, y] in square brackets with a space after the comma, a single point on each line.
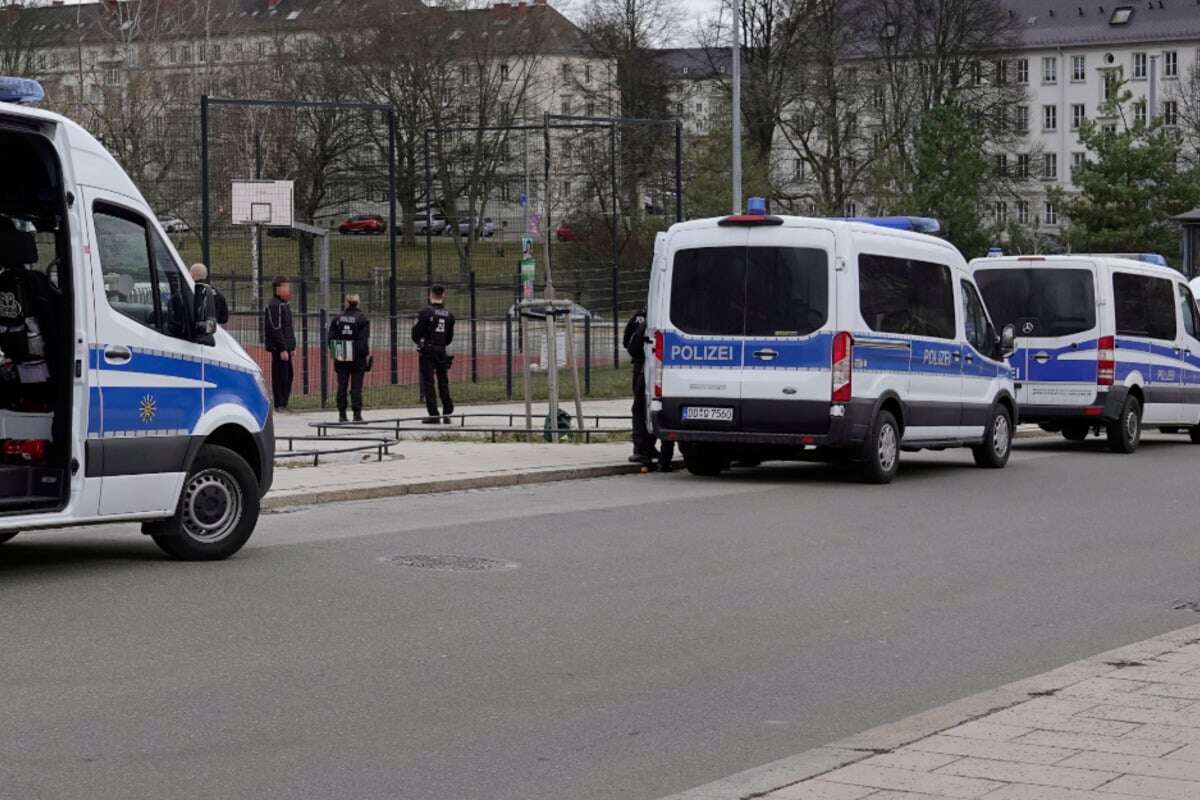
[369, 224]
[565, 233]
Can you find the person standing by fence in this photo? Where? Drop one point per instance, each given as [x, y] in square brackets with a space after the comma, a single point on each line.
[220, 307]
[279, 338]
[433, 333]
[350, 347]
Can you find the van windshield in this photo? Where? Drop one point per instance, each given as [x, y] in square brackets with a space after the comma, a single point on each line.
[1040, 302]
[750, 291]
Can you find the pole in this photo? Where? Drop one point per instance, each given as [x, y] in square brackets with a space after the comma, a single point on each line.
[1152, 111]
[204, 207]
[587, 355]
[736, 77]
[428, 217]
[525, 376]
[546, 192]
[304, 334]
[508, 355]
[393, 333]
[324, 357]
[551, 333]
[574, 366]
[678, 171]
[258, 240]
[474, 332]
[616, 234]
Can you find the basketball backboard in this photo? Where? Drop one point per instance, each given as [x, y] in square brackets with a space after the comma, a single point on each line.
[258, 202]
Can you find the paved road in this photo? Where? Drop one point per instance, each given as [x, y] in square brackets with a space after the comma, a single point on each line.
[659, 631]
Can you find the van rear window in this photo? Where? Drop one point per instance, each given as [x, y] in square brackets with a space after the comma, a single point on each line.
[1054, 302]
[750, 291]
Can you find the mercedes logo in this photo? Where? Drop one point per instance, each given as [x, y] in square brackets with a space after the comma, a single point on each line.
[1027, 327]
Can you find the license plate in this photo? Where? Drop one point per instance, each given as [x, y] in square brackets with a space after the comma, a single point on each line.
[707, 414]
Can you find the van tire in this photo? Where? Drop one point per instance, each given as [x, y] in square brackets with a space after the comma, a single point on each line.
[1194, 434]
[881, 450]
[996, 447]
[219, 478]
[1125, 433]
[705, 461]
[1075, 433]
[8, 536]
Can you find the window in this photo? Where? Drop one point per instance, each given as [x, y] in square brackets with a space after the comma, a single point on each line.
[587, 73]
[112, 76]
[1078, 69]
[1002, 165]
[566, 71]
[566, 106]
[262, 49]
[1023, 165]
[798, 169]
[976, 73]
[1078, 115]
[1050, 69]
[504, 72]
[1145, 306]
[1058, 302]
[1120, 16]
[899, 295]
[1001, 72]
[699, 108]
[1111, 79]
[1021, 123]
[1000, 212]
[851, 209]
[1050, 166]
[978, 327]
[1139, 112]
[1022, 70]
[201, 52]
[1171, 112]
[1170, 64]
[1049, 118]
[1187, 309]
[1049, 213]
[1139, 66]
[141, 279]
[877, 98]
[590, 108]
[752, 291]
[185, 54]
[566, 188]
[1077, 161]
[1023, 212]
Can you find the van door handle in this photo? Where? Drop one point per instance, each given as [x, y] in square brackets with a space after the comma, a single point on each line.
[116, 354]
[969, 358]
[765, 354]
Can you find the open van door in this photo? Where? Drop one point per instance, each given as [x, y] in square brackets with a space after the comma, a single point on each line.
[149, 374]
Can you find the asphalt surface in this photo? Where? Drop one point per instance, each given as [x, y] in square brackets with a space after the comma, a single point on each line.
[655, 633]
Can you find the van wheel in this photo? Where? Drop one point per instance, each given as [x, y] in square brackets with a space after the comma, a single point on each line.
[1194, 434]
[1075, 433]
[993, 451]
[1125, 433]
[8, 536]
[218, 509]
[881, 450]
[705, 461]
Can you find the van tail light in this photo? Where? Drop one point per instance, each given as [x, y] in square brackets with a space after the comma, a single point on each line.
[843, 345]
[1106, 361]
[658, 363]
[25, 451]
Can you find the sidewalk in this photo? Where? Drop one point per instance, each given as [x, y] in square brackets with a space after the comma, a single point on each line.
[1124, 724]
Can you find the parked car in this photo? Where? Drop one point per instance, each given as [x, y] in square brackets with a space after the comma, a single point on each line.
[487, 228]
[363, 224]
[434, 223]
[565, 233]
[174, 225]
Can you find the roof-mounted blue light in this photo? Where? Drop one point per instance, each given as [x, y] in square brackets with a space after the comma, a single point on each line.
[21, 90]
[756, 206]
[917, 224]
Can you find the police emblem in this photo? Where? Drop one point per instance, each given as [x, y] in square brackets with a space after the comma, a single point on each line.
[148, 408]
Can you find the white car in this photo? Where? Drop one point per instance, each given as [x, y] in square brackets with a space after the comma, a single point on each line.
[174, 225]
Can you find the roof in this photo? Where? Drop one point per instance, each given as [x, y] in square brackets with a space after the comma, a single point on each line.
[59, 24]
[694, 63]
[1079, 23]
[1192, 216]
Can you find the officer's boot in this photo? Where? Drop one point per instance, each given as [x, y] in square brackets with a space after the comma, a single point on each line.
[358, 416]
[341, 415]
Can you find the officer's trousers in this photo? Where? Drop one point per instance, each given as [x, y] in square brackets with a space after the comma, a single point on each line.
[349, 380]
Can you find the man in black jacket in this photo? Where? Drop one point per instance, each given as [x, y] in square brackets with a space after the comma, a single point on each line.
[634, 341]
[220, 307]
[350, 347]
[433, 333]
[279, 337]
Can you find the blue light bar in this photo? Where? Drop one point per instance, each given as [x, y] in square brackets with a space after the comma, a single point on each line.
[994, 251]
[757, 206]
[1149, 258]
[21, 90]
[917, 224]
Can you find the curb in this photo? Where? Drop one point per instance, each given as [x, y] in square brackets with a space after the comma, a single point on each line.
[447, 485]
[761, 781]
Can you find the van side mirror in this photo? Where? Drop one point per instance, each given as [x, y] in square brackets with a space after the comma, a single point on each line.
[1008, 340]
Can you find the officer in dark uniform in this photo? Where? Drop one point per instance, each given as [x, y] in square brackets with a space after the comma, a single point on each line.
[350, 347]
[643, 438]
[433, 333]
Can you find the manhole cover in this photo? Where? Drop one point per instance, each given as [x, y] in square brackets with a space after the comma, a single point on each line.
[449, 563]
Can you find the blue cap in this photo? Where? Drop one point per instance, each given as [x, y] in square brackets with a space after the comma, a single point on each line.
[21, 90]
[757, 206]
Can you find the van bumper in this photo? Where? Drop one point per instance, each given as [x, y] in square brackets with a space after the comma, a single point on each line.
[265, 439]
[1106, 407]
[845, 429]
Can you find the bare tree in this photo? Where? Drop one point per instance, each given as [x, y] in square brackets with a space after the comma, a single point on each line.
[19, 43]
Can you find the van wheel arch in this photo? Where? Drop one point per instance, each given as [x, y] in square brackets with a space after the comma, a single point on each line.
[891, 402]
[232, 437]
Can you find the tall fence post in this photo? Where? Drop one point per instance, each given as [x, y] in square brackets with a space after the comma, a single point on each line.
[474, 331]
[205, 251]
[616, 315]
[392, 313]
[304, 335]
[323, 359]
[587, 355]
[508, 355]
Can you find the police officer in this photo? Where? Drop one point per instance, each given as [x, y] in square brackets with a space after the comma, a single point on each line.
[350, 347]
[634, 341]
[433, 333]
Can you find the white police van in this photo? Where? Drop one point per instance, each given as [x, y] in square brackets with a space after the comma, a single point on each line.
[799, 338]
[119, 398]
[1105, 344]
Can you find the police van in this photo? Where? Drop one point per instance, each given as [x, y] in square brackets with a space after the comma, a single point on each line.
[1105, 344]
[119, 397]
[842, 340]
